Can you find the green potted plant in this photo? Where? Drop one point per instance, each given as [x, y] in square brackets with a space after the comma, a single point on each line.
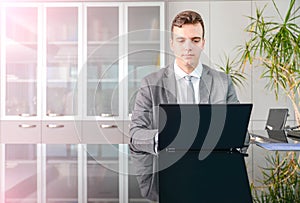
[275, 47]
[280, 180]
[228, 66]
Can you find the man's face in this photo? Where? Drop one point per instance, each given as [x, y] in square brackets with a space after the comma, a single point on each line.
[187, 43]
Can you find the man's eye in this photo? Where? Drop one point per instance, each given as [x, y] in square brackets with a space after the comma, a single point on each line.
[180, 40]
[196, 40]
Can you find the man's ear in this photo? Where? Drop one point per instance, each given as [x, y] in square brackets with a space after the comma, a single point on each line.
[203, 43]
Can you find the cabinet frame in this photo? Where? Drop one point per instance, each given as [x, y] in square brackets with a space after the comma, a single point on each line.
[79, 60]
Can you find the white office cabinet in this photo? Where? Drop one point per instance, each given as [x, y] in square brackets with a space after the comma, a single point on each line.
[20, 56]
[145, 53]
[62, 61]
[102, 100]
[62, 65]
[21, 132]
[119, 49]
[69, 75]
[80, 62]
[20, 173]
[20, 73]
[61, 173]
[2, 152]
[145, 48]
[102, 60]
[103, 173]
[40, 65]
[55, 131]
[104, 132]
[1, 16]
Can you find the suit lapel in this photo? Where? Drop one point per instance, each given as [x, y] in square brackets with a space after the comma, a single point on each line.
[169, 84]
[205, 86]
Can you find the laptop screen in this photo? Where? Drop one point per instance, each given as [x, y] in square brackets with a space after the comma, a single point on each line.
[203, 126]
[276, 119]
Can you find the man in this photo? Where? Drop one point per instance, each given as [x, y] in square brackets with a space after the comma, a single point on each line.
[174, 84]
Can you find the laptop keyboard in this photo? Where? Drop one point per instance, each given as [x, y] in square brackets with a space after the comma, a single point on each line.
[255, 138]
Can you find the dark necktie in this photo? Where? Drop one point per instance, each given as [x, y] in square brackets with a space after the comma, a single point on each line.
[190, 90]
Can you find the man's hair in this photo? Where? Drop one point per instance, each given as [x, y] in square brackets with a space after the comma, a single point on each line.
[187, 17]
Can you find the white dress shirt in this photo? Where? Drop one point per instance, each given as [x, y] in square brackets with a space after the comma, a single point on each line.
[182, 83]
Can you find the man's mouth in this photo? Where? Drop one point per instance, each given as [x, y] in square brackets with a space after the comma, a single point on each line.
[186, 56]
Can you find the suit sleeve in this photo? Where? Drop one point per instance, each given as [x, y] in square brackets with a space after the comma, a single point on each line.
[142, 143]
[231, 94]
[141, 128]
[232, 98]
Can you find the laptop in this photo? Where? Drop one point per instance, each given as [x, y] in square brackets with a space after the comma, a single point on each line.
[184, 131]
[203, 126]
[275, 128]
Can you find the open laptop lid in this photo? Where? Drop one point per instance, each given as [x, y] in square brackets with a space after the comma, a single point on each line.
[203, 126]
[276, 119]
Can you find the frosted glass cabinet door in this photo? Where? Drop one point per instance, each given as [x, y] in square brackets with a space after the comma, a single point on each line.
[102, 61]
[61, 173]
[144, 46]
[21, 61]
[20, 173]
[102, 173]
[62, 60]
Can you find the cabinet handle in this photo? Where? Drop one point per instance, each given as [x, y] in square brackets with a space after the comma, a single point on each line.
[104, 126]
[55, 126]
[26, 115]
[107, 115]
[26, 126]
[54, 114]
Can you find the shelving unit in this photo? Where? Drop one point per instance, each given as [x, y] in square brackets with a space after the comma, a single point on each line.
[67, 78]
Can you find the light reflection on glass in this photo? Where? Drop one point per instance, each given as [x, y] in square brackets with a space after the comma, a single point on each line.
[21, 61]
[62, 60]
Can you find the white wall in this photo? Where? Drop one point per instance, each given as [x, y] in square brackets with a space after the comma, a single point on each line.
[224, 23]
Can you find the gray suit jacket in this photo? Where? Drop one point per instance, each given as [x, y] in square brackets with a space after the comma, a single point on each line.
[158, 88]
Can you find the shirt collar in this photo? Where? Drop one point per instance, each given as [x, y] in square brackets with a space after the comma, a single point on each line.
[179, 73]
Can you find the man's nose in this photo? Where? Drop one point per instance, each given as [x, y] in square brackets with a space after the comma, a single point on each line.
[188, 45]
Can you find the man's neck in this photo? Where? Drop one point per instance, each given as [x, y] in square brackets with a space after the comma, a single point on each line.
[187, 68]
